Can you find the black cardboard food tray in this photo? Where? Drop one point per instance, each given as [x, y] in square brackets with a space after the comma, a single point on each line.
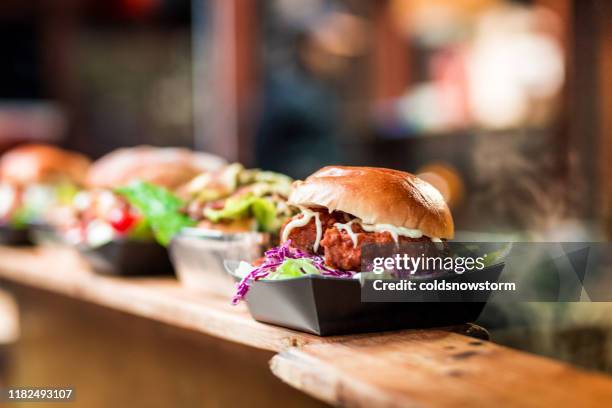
[14, 236]
[332, 306]
[44, 234]
[129, 258]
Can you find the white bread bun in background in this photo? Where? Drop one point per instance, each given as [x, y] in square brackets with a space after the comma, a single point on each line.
[39, 163]
[168, 167]
[377, 196]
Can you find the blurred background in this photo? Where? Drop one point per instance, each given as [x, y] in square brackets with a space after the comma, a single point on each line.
[500, 104]
[505, 106]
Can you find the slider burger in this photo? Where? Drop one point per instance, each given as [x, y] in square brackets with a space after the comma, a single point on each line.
[34, 179]
[169, 167]
[125, 187]
[343, 208]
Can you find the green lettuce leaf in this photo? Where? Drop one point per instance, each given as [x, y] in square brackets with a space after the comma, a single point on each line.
[293, 268]
[159, 207]
[65, 193]
[236, 208]
[142, 231]
[264, 212]
[21, 217]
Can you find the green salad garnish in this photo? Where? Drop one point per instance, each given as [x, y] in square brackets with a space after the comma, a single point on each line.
[160, 208]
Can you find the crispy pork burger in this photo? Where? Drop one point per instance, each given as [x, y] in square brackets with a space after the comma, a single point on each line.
[130, 195]
[34, 178]
[343, 208]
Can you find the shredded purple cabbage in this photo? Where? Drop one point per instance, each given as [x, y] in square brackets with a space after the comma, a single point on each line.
[273, 258]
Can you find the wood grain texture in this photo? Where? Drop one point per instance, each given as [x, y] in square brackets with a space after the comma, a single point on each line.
[115, 359]
[410, 368]
[436, 369]
[62, 270]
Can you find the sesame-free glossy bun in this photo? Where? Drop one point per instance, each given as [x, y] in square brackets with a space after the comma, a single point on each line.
[168, 167]
[39, 163]
[377, 196]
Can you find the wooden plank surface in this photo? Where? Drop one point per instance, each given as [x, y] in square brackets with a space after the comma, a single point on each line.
[122, 360]
[436, 369]
[62, 270]
[420, 368]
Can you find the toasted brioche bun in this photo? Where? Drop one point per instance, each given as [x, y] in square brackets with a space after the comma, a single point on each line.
[377, 196]
[38, 163]
[167, 167]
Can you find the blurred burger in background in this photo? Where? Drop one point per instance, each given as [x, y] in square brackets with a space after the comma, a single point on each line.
[35, 179]
[235, 213]
[130, 195]
[235, 199]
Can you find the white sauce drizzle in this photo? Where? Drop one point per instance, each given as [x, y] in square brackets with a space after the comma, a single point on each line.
[349, 230]
[395, 232]
[301, 222]
[315, 246]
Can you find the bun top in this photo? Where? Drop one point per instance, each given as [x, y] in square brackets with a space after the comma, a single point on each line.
[377, 196]
[167, 167]
[39, 163]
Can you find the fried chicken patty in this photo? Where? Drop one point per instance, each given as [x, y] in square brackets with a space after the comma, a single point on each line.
[336, 245]
[341, 253]
[303, 238]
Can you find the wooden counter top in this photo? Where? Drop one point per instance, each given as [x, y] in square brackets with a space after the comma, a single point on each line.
[435, 369]
[424, 368]
[62, 271]
[164, 299]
